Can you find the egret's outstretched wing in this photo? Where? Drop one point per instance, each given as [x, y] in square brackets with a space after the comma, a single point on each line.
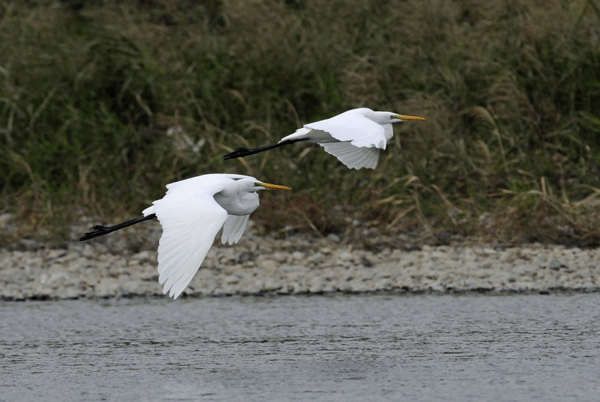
[351, 156]
[234, 228]
[354, 127]
[208, 181]
[190, 221]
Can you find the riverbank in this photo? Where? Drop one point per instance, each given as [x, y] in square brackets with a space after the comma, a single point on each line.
[124, 265]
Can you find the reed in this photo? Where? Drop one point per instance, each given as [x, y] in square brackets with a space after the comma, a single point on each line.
[102, 103]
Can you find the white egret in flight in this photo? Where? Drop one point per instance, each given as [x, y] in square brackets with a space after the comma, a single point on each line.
[354, 137]
[191, 214]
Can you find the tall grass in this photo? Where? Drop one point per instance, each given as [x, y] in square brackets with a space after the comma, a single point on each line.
[511, 92]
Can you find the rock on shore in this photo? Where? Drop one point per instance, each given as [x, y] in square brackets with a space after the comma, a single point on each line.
[124, 265]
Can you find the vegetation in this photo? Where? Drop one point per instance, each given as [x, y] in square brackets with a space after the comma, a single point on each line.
[103, 102]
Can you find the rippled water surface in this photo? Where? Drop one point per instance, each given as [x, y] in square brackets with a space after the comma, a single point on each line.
[325, 348]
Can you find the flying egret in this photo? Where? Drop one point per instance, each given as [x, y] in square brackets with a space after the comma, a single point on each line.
[191, 214]
[354, 137]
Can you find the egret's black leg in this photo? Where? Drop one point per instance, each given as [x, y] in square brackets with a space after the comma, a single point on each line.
[100, 230]
[241, 152]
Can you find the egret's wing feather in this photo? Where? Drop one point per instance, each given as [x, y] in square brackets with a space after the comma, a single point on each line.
[234, 228]
[351, 156]
[190, 218]
[354, 127]
[207, 181]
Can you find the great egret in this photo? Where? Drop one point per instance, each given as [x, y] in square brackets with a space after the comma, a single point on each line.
[354, 137]
[191, 214]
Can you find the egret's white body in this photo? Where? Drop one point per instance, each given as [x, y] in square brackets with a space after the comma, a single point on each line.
[355, 137]
[191, 214]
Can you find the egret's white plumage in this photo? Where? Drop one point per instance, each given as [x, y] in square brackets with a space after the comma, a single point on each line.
[354, 137]
[191, 214]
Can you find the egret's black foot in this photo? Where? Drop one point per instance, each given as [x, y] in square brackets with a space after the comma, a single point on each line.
[239, 153]
[99, 230]
[96, 231]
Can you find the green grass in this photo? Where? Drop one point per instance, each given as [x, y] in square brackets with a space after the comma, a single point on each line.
[510, 150]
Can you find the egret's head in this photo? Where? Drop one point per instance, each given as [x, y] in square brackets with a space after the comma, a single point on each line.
[240, 195]
[379, 117]
[251, 185]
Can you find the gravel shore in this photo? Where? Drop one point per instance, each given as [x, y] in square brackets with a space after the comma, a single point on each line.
[124, 264]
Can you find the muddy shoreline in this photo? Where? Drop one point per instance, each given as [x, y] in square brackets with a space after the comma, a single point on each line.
[124, 265]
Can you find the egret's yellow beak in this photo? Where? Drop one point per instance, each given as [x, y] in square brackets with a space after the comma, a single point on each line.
[403, 117]
[272, 186]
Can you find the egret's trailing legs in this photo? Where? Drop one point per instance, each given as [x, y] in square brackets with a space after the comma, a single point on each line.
[100, 230]
[241, 152]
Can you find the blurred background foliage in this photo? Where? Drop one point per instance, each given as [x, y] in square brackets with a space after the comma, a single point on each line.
[103, 102]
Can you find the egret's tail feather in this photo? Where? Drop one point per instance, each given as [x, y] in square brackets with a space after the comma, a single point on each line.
[242, 152]
[99, 230]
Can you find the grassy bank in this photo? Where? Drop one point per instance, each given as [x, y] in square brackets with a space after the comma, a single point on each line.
[104, 102]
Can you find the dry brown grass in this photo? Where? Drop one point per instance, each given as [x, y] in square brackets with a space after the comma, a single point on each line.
[510, 150]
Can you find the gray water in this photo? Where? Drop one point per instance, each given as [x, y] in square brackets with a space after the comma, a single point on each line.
[325, 348]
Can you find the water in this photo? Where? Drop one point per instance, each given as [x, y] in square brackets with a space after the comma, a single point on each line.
[326, 348]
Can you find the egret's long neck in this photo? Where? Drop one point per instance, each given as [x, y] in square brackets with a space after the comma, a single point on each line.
[238, 202]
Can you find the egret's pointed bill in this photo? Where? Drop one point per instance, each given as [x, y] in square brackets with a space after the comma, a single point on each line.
[272, 186]
[403, 117]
